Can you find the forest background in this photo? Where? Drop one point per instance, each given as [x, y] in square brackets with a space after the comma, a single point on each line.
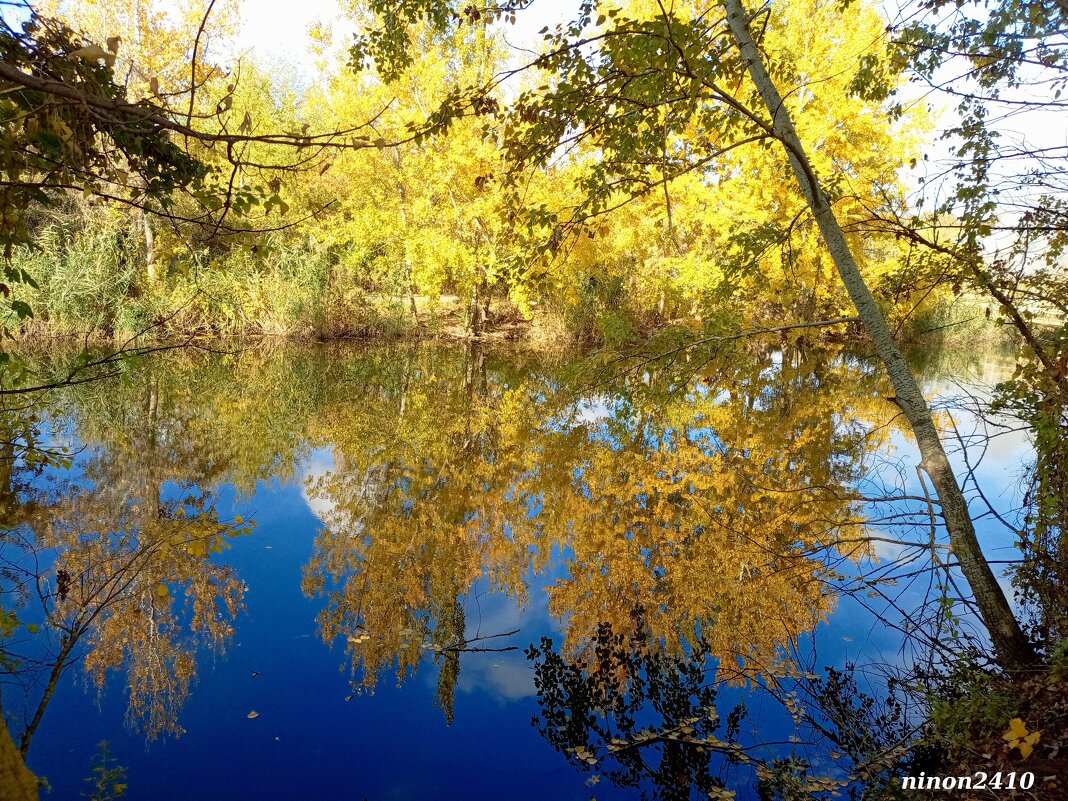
[423, 235]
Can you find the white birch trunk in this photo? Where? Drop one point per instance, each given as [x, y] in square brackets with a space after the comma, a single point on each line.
[1009, 641]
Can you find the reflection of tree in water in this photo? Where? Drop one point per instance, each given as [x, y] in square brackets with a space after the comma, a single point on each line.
[642, 718]
[414, 511]
[720, 512]
[635, 715]
[119, 558]
[724, 507]
[714, 508]
[141, 593]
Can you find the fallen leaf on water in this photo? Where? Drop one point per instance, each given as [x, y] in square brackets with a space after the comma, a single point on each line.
[253, 714]
[348, 697]
[255, 673]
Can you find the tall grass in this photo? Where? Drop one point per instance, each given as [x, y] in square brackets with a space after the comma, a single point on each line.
[92, 279]
[87, 273]
[949, 320]
[288, 289]
[90, 265]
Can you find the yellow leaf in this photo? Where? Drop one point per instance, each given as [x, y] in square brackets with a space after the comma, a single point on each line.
[1017, 729]
[1025, 749]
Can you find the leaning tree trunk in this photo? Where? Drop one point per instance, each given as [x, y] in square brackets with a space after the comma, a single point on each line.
[1012, 646]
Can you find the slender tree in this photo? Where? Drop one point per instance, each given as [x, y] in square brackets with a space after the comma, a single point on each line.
[1012, 645]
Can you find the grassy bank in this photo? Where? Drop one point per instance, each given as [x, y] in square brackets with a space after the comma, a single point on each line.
[950, 321]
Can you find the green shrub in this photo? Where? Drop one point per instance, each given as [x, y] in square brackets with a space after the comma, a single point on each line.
[971, 706]
[947, 320]
[1058, 663]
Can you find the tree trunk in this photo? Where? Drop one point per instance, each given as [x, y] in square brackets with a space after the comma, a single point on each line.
[150, 248]
[411, 294]
[67, 643]
[478, 309]
[1013, 648]
[402, 194]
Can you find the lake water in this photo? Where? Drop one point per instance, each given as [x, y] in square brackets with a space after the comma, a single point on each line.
[414, 572]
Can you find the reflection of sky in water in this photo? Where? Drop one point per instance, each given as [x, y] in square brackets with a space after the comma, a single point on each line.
[309, 742]
[998, 466]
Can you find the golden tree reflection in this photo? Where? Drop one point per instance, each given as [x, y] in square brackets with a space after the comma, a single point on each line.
[715, 514]
[719, 516]
[138, 588]
[121, 560]
[417, 509]
[720, 507]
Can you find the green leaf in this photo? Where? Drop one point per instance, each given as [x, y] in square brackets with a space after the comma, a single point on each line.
[22, 309]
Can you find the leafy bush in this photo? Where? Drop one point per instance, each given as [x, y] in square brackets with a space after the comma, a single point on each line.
[971, 706]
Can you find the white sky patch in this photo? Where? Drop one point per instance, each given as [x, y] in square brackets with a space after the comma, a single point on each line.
[319, 466]
[278, 29]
